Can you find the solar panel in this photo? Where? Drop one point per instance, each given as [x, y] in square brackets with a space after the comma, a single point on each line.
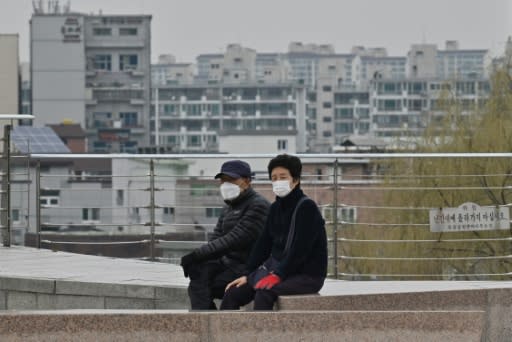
[27, 139]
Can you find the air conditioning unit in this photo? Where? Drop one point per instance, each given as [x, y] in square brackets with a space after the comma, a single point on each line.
[118, 124]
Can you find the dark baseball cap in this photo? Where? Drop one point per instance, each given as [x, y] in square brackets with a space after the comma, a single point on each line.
[235, 169]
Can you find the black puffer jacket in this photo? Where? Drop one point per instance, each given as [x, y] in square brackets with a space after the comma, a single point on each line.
[239, 226]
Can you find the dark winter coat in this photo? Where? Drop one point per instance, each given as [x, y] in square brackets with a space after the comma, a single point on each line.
[308, 251]
[239, 226]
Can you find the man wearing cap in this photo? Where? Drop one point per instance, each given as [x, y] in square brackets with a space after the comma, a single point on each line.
[215, 264]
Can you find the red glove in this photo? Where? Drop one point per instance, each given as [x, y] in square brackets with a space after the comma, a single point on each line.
[267, 282]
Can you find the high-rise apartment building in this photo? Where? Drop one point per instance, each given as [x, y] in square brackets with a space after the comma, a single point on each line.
[365, 92]
[93, 70]
[167, 71]
[190, 118]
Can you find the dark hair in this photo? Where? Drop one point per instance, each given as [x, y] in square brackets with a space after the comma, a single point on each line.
[291, 163]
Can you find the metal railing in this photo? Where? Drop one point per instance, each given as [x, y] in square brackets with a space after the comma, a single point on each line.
[376, 216]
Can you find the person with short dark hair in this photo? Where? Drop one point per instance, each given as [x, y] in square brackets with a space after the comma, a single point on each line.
[290, 257]
[212, 266]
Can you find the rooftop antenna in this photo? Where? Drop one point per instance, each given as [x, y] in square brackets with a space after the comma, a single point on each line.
[34, 6]
[67, 7]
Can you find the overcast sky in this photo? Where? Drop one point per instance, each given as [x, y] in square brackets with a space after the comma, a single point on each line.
[187, 28]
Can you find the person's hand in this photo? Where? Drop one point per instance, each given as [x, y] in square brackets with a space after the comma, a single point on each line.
[237, 282]
[186, 261]
[267, 282]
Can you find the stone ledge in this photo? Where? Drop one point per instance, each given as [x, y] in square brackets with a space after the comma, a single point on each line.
[104, 289]
[433, 300]
[496, 302]
[27, 284]
[132, 325]
[48, 294]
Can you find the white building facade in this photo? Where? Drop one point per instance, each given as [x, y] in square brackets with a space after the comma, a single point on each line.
[93, 70]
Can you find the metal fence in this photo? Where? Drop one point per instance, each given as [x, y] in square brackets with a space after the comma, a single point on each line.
[376, 207]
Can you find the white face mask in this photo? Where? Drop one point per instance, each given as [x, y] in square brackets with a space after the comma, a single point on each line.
[281, 188]
[229, 191]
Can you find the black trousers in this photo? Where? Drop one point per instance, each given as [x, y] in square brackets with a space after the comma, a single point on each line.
[236, 297]
[208, 280]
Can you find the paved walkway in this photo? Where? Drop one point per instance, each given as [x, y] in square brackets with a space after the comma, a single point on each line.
[34, 263]
[26, 262]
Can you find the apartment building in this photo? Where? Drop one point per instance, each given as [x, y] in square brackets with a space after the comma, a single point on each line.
[405, 108]
[98, 69]
[190, 118]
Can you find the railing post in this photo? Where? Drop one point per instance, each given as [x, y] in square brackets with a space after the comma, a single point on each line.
[335, 218]
[38, 204]
[5, 214]
[152, 208]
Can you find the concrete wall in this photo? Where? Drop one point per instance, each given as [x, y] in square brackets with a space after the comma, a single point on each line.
[48, 294]
[9, 80]
[249, 326]
[58, 69]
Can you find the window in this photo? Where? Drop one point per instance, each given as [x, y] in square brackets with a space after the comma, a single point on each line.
[128, 147]
[414, 104]
[327, 119]
[49, 198]
[90, 214]
[213, 212]
[169, 211]
[128, 62]
[363, 113]
[389, 105]
[128, 31]
[364, 127]
[194, 140]
[101, 119]
[327, 88]
[134, 214]
[102, 31]
[341, 128]
[282, 145]
[129, 119]
[327, 105]
[168, 214]
[103, 62]
[327, 134]
[311, 113]
[15, 215]
[120, 197]
[344, 113]
[345, 214]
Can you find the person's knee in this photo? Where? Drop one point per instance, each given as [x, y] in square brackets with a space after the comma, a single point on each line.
[229, 301]
[264, 299]
[196, 271]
